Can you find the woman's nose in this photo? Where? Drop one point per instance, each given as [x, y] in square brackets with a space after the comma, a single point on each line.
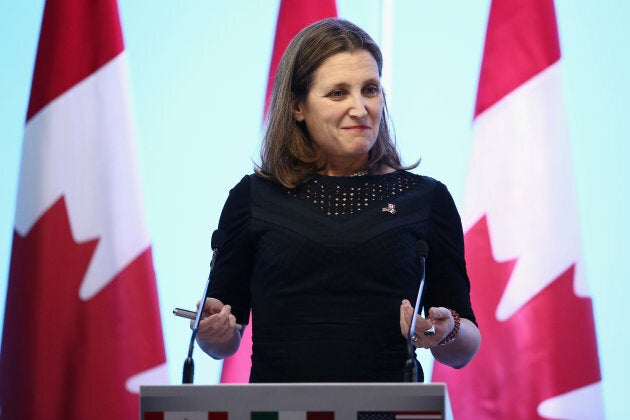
[358, 107]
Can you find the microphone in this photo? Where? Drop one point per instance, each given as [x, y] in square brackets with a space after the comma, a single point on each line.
[411, 366]
[189, 365]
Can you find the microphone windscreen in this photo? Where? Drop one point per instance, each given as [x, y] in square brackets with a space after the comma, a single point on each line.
[422, 249]
[217, 239]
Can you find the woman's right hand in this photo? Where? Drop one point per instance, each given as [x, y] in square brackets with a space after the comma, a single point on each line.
[217, 324]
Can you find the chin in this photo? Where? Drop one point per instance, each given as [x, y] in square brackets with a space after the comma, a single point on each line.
[364, 146]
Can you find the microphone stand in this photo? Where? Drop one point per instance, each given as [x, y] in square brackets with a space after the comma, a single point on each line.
[189, 364]
[411, 365]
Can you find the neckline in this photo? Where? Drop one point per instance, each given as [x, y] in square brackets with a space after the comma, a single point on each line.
[358, 177]
[355, 180]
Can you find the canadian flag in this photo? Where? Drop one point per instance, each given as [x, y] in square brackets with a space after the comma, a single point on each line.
[82, 328]
[538, 358]
[293, 16]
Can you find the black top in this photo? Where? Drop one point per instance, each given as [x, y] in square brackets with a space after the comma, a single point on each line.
[324, 268]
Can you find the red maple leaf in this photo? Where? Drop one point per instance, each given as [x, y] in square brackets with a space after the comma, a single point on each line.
[67, 358]
[547, 348]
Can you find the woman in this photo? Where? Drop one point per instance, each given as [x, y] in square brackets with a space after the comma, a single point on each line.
[321, 240]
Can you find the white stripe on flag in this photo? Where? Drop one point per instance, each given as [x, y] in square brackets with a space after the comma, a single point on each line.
[157, 375]
[522, 138]
[99, 204]
[581, 404]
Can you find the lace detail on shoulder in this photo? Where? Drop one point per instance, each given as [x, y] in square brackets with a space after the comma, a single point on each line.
[339, 196]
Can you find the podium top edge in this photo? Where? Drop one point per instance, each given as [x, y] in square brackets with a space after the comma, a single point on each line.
[436, 385]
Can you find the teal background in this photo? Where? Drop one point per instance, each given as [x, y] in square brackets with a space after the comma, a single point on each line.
[198, 74]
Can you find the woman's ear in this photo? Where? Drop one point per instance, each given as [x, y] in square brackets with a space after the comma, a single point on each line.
[297, 111]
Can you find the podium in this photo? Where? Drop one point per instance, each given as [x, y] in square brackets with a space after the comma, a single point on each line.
[303, 401]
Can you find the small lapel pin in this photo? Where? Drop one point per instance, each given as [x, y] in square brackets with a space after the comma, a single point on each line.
[391, 208]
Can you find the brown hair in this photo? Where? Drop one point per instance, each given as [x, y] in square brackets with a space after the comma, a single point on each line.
[287, 154]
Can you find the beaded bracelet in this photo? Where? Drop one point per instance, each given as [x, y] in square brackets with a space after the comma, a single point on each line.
[453, 334]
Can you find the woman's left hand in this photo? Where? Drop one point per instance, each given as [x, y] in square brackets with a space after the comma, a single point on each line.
[429, 331]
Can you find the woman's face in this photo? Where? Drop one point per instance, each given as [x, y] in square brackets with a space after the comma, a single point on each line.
[343, 108]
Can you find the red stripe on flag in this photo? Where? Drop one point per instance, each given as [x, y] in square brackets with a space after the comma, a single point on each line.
[320, 415]
[73, 357]
[77, 38]
[236, 367]
[293, 16]
[531, 24]
[159, 415]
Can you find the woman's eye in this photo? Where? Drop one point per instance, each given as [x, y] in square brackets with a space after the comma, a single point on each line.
[372, 91]
[335, 94]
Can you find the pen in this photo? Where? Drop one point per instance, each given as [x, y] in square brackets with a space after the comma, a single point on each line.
[185, 313]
